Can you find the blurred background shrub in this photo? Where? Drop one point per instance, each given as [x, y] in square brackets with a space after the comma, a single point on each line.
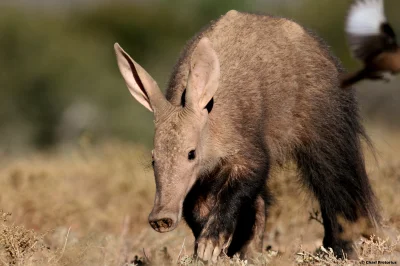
[59, 79]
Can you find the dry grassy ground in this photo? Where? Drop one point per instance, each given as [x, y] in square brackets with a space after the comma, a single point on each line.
[88, 206]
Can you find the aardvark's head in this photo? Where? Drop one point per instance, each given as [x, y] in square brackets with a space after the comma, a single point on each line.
[179, 140]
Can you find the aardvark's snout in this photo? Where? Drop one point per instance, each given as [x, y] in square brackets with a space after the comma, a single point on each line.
[162, 221]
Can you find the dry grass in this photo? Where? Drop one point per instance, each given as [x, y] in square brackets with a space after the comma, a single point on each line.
[89, 205]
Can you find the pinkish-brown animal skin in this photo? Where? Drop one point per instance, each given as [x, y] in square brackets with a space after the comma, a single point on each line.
[250, 92]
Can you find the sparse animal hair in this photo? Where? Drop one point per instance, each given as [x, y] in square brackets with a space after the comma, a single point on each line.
[247, 93]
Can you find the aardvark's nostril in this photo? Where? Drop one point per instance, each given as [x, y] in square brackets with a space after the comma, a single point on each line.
[161, 224]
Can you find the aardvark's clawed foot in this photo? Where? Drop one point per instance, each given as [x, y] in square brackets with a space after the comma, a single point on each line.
[209, 248]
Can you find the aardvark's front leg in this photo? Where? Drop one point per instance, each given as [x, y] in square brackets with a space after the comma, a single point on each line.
[241, 188]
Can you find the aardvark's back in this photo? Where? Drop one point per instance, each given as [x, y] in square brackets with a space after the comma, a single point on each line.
[273, 73]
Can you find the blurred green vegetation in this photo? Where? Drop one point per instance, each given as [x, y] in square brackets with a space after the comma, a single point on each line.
[59, 77]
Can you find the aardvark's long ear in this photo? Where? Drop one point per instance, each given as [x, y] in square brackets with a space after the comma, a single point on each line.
[204, 75]
[140, 84]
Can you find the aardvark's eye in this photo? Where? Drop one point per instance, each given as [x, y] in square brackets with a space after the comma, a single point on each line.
[192, 155]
